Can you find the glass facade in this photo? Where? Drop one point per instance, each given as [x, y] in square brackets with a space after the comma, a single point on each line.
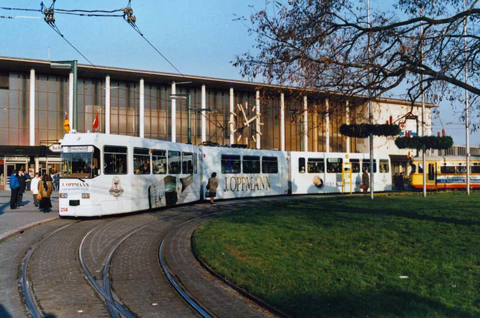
[51, 98]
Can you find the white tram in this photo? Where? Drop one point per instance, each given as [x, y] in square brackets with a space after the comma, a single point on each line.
[319, 172]
[111, 174]
[244, 173]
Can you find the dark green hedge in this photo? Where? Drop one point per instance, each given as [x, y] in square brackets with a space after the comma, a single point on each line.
[430, 142]
[364, 130]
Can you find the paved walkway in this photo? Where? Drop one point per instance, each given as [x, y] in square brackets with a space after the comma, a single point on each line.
[14, 221]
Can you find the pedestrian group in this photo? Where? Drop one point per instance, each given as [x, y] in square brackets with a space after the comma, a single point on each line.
[41, 188]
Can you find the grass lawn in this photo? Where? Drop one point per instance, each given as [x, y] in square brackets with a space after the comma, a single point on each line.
[394, 256]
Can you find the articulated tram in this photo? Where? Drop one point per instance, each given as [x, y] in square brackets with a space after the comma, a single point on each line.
[111, 174]
[449, 172]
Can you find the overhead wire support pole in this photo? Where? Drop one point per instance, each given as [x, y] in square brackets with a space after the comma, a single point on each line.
[370, 115]
[424, 159]
[467, 123]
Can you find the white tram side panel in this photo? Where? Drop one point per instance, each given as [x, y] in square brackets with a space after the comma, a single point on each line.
[318, 172]
[244, 173]
[134, 174]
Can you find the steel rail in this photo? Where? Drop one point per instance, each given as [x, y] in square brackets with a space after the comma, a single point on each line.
[113, 306]
[106, 268]
[193, 303]
[27, 291]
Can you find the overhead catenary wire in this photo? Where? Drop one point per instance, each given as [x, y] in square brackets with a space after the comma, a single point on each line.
[131, 20]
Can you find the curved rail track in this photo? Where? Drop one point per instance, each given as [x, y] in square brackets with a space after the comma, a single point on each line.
[126, 267]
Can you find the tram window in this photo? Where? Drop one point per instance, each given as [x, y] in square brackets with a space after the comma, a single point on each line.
[194, 163]
[475, 169]
[159, 161]
[269, 164]
[366, 165]
[301, 165]
[251, 164]
[80, 162]
[431, 171]
[383, 166]
[315, 165]
[115, 159]
[230, 164]
[355, 165]
[334, 165]
[447, 169]
[141, 161]
[174, 162]
[461, 169]
[187, 163]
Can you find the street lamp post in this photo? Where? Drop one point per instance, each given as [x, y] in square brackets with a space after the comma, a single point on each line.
[73, 66]
[189, 127]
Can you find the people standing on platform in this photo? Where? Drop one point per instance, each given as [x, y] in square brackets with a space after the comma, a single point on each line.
[45, 188]
[14, 188]
[21, 190]
[34, 188]
[212, 186]
[401, 182]
[28, 180]
[365, 180]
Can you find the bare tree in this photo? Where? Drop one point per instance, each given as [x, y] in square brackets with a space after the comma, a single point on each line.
[323, 44]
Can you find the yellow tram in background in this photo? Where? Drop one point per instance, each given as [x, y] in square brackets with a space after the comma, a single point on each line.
[445, 172]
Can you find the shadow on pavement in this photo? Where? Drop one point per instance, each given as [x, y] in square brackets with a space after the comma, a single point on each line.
[4, 313]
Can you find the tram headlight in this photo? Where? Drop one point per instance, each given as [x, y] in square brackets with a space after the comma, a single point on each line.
[85, 195]
[63, 195]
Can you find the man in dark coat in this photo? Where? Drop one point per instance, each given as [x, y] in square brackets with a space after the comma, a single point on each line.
[21, 190]
[14, 188]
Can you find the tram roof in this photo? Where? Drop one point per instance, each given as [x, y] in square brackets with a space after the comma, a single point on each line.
[43, 66]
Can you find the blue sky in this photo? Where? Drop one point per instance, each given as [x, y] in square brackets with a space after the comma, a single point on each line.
[198, 37]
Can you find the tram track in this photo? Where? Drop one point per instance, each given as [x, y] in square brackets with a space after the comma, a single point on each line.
[113, 268]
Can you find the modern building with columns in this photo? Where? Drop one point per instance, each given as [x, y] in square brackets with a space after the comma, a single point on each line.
[34, 98]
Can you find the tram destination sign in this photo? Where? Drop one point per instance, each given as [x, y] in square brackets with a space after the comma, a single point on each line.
[55, 148]
[78, 149]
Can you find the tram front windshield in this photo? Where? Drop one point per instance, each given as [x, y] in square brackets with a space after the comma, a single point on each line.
[80, 162]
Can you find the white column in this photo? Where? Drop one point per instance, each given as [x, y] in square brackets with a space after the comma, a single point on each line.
[70, 99]
[315, 128]
[282, 122]
[32, 107]
[305, 123]
[174, 114]
[142, 108]
[204, 119]
[107, 104]
[347, 121]
[232, 119]
[257, 121]
[327, 126]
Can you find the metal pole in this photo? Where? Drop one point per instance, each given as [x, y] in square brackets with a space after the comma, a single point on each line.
[305, 123]
[189, 127]
[204, 106]
[232, 119]
[424, 159]
[282, 122]
[75, 95]
[467, 124]
[370, 137]
[174, 114]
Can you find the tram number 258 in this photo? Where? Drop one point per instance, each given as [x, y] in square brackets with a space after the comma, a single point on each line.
[63, 209]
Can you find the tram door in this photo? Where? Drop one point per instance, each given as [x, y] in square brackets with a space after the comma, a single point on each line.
[432, 175]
